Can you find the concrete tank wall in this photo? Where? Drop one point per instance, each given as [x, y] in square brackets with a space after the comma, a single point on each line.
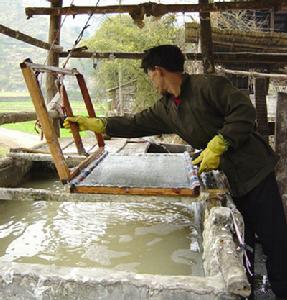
[224, 274]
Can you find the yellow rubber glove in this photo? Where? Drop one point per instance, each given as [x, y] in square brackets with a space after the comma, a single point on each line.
[94, 124]
[209, 158]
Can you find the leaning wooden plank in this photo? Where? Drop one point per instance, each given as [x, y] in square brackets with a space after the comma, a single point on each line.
[42, 113]
[135, 191]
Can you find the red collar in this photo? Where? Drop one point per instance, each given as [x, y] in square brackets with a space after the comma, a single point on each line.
[176, 100]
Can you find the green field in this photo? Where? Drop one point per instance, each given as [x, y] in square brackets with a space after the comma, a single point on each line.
[28, 127]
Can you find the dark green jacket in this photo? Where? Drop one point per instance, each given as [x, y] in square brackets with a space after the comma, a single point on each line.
[209, 105]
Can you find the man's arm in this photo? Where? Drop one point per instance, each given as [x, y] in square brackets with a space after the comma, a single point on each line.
[147, 122]
[237, 109]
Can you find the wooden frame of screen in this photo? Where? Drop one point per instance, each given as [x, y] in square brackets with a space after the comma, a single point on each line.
[28, 71]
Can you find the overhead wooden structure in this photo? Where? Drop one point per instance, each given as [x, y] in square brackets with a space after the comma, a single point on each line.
[243, 58]
[156, 9]
[239, 41]
[103, 173]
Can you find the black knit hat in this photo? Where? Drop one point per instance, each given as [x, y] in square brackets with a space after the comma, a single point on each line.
[169, 57]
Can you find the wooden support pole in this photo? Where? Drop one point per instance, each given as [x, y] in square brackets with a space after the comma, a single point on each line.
[53, 57]
[51, 137]
[156, 9]
[260, 91]
[89, 105]
[206, 41]
[74, 127]
[281, 142]
[28, 39]
[14, 117]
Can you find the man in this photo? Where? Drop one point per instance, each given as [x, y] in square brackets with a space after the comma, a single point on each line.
[210, 114]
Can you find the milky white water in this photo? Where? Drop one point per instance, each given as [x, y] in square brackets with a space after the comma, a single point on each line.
[153, 238]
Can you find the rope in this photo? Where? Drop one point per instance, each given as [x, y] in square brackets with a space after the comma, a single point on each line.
[79, 38]
[242, 244]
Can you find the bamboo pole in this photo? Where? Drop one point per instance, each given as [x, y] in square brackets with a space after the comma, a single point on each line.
[50, 135]
[155, 9]
[28, 39]
[252, 73]
[219, 57]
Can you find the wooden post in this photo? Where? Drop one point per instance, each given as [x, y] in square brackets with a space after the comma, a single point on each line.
[206, 41]
[281, 142]
[260, 91]
[53, 57]
[46, 123]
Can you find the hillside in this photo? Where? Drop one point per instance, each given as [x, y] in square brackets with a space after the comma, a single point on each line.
[12, 51]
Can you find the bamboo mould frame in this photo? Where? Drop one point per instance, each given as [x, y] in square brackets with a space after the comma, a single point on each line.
[28, 71]
[78, 173]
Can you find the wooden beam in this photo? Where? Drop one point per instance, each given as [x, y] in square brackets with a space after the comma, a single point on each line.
[28, 39]
[219, 57]
[155, 9]
[252, 73]
[14, 117]
[206, 44]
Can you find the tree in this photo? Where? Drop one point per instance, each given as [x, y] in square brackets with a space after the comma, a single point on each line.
[119, 33]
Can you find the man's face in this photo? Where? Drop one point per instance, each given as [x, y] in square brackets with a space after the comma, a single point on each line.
[157, 79]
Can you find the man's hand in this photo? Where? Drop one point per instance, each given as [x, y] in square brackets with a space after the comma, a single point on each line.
[209, 158]
[94, 124]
